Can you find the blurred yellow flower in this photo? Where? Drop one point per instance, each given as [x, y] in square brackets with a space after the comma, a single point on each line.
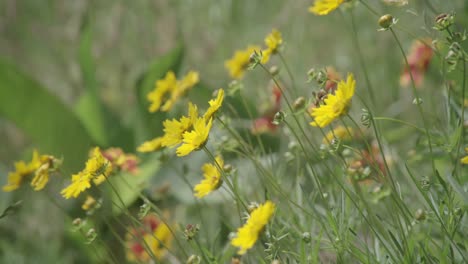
[335, 105]
[161, 91]
[195, 139]
[464, 160]
[88, 203]
[339, 132]
[152, 239]
[323, 7]
[215, 104]
[168, 90]
[248, 234]
[212, 180]
[97, 169]
[240, 61]
[151, 145]
[273, 41]
[40, 166]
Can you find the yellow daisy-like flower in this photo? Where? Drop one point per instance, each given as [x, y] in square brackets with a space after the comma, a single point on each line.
[323, 7]
[181, 88]
[88, 203]
[162, 90]
[464, 160]
[273, 41]
[339, 132]
[195, 139]
[240, 61]
[215, 104]
[212, 180]
[151, 145]
[335, 105]
[40, 166]
[248, 234]
[97, 169]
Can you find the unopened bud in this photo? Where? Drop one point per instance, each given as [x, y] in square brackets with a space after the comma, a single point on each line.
[77, 222]
[274, 70]
[443, 21]
[227, 168]
[306, 237]
[278, 118]
[386, 21]
[299, 103]
[420, 215]
[194, 259]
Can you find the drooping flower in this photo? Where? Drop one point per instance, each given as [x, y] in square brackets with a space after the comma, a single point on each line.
[418, 60]
[121, 160]
[196, 138]
[97, 169]
[215, 104]
[273, 42]
[212, 178]
[334, 105]
[168, 90]
[152, 239]
[323, 7]
[239, 63]
[40, 166]
[248, 234]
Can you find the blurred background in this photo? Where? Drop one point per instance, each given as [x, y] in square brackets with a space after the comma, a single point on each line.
[104, 48]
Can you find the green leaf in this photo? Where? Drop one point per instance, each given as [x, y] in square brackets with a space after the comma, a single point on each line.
[43, 117]
[150, 123]
[102, 124]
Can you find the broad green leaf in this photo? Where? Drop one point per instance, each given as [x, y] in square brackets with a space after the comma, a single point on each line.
[102, 124]
[43, 117]
[150, 123]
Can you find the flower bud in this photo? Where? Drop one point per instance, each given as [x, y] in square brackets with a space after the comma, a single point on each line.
[443, 21]
[299, 103]
[274, 70]
[227, 168]
[420, 215]
[194, 259]
[306, 237]
[386, 21]
[278, 118]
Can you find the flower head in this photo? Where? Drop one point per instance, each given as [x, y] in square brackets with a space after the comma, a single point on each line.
[418, 60]
[273, 42]
[154, 236]
[88, 203]
[334, 105]
[323, 7]
[97, 169]
[195, 139]
[212, 180]
[240, 62]
[248, 234]
[464, 160]
[40, 166]
[215, 104]
[168, 90]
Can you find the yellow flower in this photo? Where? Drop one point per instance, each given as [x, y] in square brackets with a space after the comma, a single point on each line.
[40, 166]
[339, 132]
[161, 91]
[152, 145]
[97, 169]
[273, 41]
[195, 139]
[335, 105]
[88, 203]
[215, 104]
[464, 160]
[240, 61]
[248, 234]
[168, 90]
[174, 129]
[153, 239]
[181, 89]
[323, 7]
[212, 180]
